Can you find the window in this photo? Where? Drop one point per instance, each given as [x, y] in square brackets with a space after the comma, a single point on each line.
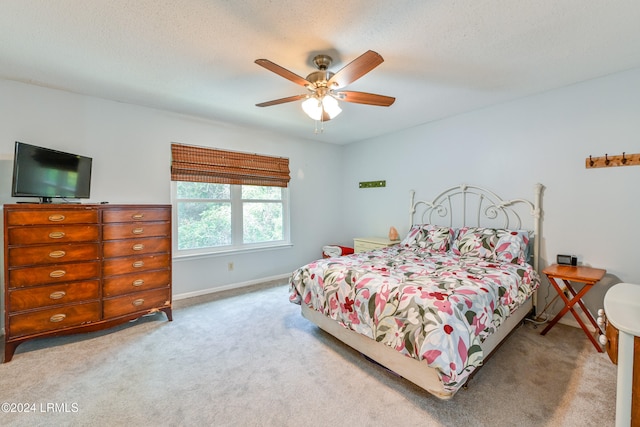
[217, 211]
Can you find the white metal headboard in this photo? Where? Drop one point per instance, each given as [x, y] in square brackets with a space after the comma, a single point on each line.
[467, 205]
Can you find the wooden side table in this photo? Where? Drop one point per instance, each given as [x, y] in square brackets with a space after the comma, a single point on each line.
[567, 273]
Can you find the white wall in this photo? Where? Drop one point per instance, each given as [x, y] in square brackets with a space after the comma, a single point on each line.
[130, 147]
[592, 213]
[507, 148]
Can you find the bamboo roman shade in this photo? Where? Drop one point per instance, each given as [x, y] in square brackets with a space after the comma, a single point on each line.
[202, 164]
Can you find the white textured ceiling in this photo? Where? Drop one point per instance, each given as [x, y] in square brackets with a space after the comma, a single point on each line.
[196, 57]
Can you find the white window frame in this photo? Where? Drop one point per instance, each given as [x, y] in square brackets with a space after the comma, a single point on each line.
[236, 225]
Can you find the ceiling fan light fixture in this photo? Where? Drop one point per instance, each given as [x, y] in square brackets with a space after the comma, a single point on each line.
[314, 107]
[321, 103]
[331, 106]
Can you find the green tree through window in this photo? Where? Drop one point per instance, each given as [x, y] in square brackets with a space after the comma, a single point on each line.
[212, 217]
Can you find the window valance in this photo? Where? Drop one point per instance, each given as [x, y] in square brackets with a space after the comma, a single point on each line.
[202, 164]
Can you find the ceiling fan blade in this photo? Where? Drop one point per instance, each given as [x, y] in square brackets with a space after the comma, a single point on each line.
[355, 69]
[281, 100]
[283, 72]
[366, 98]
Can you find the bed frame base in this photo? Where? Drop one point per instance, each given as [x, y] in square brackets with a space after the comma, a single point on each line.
[418, 372]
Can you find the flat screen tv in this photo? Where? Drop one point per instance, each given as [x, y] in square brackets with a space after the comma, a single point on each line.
[47, 174]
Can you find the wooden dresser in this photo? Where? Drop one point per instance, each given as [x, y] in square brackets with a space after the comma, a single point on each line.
[80, 268]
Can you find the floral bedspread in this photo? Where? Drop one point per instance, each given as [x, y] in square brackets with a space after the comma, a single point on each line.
[430, 306]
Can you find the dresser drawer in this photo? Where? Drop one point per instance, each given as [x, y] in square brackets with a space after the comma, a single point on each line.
[128, 265]
[135, 246]
[125, 284]
[372, 243]
[139, 214]
[31, 276]
[53, 216]
[136, 302]
[365, 246]
[53, 234]
[53, 318]
[43, 296]
[134, 230]
[51, 254]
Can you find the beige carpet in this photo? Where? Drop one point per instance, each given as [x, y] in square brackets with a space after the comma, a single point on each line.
[250, 359]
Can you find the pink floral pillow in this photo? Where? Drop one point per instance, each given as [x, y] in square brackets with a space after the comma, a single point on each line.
[431, 237]
[512, 246]
[475, 242]
[498, 245]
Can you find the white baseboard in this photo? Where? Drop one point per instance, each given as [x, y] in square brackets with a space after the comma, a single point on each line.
[186, 295]
[569, 320]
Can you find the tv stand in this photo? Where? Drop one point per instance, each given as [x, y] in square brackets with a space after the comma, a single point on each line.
[83, 268]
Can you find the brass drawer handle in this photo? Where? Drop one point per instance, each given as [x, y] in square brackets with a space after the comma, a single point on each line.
[138, 264]
[138, 302]
[57, 254]
[137, 216]
[138, 230]
[138, 247]
[57, 317]
[138, 282]
[56, 217]
[56, 234]
[57, 294]
[57, 273]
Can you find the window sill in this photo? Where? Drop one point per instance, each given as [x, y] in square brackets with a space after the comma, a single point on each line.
[228, 252]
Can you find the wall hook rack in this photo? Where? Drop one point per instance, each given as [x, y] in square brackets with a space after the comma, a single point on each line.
[623, 159]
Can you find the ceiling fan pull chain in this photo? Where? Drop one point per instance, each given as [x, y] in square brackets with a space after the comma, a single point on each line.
[321, 130]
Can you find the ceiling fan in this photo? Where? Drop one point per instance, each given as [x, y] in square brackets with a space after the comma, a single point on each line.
[321, 100]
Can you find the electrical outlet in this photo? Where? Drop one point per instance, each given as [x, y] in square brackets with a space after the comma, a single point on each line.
[230, 266]
[373, 184]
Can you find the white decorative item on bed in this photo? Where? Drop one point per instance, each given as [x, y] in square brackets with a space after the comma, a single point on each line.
[434, 307]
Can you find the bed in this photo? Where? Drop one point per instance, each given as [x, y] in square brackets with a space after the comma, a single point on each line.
[433, 308]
